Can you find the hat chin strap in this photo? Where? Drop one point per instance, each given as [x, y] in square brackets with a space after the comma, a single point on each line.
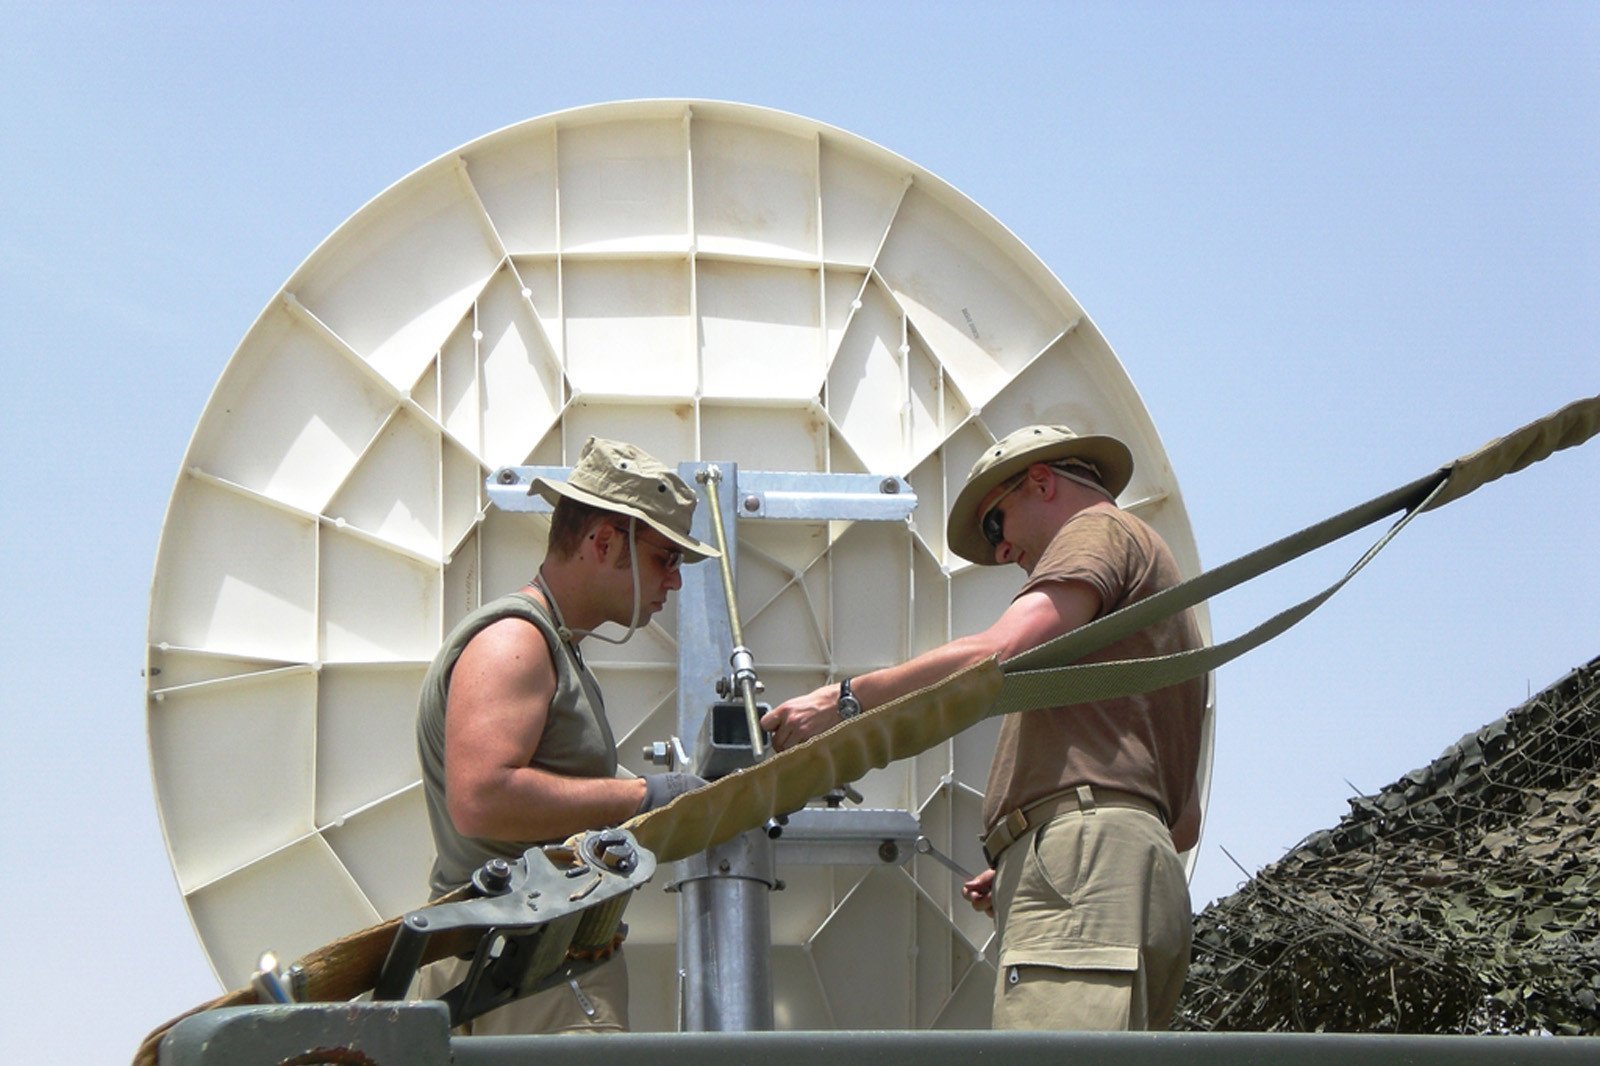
[633, 567]
[1085, 482]
[572, 636]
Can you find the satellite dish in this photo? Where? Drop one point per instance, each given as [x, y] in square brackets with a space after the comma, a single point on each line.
[708, 280]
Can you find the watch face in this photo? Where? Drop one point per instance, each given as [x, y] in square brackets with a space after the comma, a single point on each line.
[849, 706]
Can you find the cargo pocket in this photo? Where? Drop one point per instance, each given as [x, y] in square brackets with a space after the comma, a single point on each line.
[1069, 987]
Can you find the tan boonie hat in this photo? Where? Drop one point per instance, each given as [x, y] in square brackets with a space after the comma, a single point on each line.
[620, 477]
[1013, 454]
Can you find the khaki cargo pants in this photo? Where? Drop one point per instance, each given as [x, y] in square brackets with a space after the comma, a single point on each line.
[1093, 909]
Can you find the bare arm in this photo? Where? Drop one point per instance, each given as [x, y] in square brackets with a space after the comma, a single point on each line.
[1033, 618]
[500, 693]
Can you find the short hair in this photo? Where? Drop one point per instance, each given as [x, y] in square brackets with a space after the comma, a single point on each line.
[570, 522]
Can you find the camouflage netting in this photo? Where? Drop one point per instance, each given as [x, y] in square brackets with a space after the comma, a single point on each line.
[1464, 898]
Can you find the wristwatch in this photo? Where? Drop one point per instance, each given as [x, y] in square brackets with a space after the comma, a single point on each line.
[849, 706]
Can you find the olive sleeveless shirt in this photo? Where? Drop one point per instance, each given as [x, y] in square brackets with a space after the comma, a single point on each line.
[576, 742]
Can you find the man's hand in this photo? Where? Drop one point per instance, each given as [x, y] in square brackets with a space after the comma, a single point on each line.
[980, 892]
[805, 716]
[662, 789]
[1034, 617]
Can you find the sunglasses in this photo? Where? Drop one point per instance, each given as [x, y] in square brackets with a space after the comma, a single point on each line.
[669, 557]
[993, 523]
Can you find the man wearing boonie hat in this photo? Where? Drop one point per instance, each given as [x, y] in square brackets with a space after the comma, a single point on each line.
[512, 733]
[1087, 805]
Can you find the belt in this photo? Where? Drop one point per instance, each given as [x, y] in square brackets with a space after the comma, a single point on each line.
[1084, 798]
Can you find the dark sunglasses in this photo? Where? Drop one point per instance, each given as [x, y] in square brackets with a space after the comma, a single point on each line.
[993, 523]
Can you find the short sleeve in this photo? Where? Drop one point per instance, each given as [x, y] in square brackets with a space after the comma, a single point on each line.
[1095, 548]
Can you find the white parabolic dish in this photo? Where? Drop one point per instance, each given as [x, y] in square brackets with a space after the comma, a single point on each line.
[711, 281]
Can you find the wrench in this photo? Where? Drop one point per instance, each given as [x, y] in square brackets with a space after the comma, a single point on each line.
[925, 846]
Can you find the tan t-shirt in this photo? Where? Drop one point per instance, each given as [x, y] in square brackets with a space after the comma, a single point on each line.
[1148, 744]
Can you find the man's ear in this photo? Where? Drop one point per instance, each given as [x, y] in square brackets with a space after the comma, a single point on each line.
[603, 535]
[1046, 478]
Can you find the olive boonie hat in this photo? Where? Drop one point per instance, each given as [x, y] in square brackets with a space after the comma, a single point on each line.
[620, 477]
[1013, 454]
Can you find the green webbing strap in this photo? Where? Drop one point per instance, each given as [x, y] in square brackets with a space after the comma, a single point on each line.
[1046, 677]
[1054, 686]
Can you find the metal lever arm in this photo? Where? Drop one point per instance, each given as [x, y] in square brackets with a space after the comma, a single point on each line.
[548, 914]
[743, 663]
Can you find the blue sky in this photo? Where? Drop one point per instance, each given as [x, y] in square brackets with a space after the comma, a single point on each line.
[1333, 245]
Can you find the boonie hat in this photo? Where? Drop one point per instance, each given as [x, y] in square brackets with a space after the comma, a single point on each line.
[1013, 454]
[620, 477]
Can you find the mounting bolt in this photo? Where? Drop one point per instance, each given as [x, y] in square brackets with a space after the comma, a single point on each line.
[752, 503]
[495, 875]
[889, 851]
[506, 477]
[889, 486]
